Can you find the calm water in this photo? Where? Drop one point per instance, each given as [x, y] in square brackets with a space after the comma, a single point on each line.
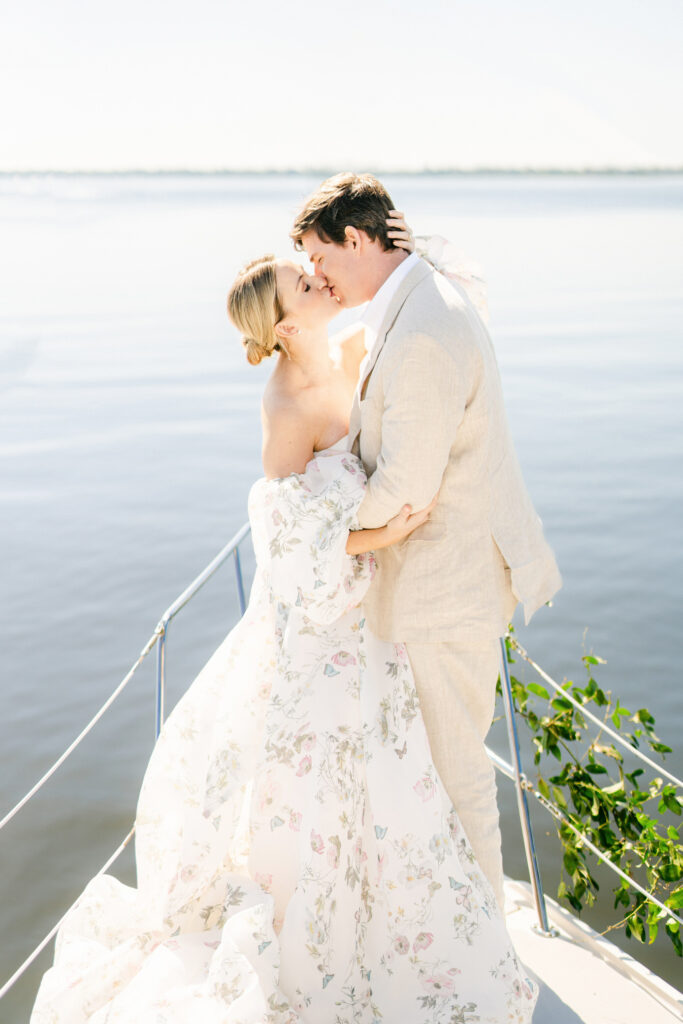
[129, 436]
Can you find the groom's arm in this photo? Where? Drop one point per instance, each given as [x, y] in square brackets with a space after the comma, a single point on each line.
[425, 394]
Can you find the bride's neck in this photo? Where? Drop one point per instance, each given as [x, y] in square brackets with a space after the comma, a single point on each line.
[307, 357]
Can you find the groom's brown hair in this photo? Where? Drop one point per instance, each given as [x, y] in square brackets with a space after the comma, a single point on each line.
[357, 200]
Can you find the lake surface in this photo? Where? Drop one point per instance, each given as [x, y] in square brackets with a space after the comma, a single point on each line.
[130, 435]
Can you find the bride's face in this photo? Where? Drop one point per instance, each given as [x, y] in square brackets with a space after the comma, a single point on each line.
[306, 299]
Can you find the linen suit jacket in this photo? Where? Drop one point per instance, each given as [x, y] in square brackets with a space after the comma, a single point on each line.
[428, 417]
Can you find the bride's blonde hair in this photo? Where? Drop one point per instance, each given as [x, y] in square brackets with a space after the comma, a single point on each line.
[254, 307]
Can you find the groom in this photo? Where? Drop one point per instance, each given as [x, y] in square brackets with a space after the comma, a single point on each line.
[428, 417]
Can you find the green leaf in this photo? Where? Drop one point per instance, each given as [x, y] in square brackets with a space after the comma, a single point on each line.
[672, 803]
[544, 790]
[670, 872]
[677, 944]
[571, 862]
[539, 690]
[622, 897]
[608, 751]
[574, 901]
[675, 900]
[615, 790]
[559, 798]
[561, 704]
[607, 836]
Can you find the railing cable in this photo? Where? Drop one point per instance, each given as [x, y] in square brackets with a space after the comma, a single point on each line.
[158, 634]
[515, 644]
[500, 763]
[84, 732]
[508, 771]
[560, 816]
[53, 931]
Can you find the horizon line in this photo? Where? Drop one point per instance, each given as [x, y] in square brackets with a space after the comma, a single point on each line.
[327, 171]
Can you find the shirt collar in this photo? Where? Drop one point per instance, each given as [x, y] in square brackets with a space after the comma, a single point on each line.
[374, 312]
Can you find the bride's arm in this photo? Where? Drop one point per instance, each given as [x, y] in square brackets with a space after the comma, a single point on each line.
[396, 529]
[350, 345]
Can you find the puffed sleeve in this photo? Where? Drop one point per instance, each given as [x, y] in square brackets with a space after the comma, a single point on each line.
[460, 270]
[300, 526]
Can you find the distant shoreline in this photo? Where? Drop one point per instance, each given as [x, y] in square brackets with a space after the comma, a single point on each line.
[323, 172]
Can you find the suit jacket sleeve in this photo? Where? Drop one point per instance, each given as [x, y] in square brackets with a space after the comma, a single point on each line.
[425, 395]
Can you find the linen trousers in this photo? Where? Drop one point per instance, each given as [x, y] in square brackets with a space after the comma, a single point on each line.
[456, 688]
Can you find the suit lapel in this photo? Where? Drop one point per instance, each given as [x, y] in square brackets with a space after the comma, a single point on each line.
[416, 275]
[411, 281]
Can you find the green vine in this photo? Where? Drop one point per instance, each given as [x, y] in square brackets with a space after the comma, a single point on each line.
[636, 824]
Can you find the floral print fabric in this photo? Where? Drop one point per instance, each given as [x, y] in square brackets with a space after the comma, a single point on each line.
[298, 858]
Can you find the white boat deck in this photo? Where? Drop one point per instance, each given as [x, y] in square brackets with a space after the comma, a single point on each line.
[584, 978]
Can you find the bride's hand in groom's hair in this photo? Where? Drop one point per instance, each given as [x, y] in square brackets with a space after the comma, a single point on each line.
[400, 232]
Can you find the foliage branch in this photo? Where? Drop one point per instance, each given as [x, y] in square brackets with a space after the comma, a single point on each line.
[635, 824]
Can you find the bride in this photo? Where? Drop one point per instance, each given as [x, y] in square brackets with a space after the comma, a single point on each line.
[298, 858]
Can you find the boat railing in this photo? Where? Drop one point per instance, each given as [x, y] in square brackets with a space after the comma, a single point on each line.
[512, 770]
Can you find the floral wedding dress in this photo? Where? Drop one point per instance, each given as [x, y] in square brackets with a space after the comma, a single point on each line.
[298, 858]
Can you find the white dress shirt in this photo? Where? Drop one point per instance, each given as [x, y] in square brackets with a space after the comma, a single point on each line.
[374, 312]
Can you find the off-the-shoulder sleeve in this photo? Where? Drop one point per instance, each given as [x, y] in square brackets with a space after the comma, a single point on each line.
[300, 526]
[445, 258]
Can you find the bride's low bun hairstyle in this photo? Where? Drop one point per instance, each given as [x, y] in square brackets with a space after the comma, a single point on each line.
[255, 308]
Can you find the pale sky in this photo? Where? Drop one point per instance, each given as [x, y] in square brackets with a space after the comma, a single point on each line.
[388, 84]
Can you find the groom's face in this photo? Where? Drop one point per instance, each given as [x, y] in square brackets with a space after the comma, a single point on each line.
[340, 266]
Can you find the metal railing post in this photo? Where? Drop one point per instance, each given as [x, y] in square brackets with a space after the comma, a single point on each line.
[522, 804]
[240, 581]
[161, 678]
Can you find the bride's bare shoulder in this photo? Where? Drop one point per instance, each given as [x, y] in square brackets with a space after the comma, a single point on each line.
[290, 429]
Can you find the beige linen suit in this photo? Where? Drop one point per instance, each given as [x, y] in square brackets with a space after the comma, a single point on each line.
[430, 415]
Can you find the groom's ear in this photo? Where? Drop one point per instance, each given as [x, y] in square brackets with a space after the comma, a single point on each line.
[352, 238]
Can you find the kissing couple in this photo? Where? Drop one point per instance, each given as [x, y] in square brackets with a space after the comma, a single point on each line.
[317, 833]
